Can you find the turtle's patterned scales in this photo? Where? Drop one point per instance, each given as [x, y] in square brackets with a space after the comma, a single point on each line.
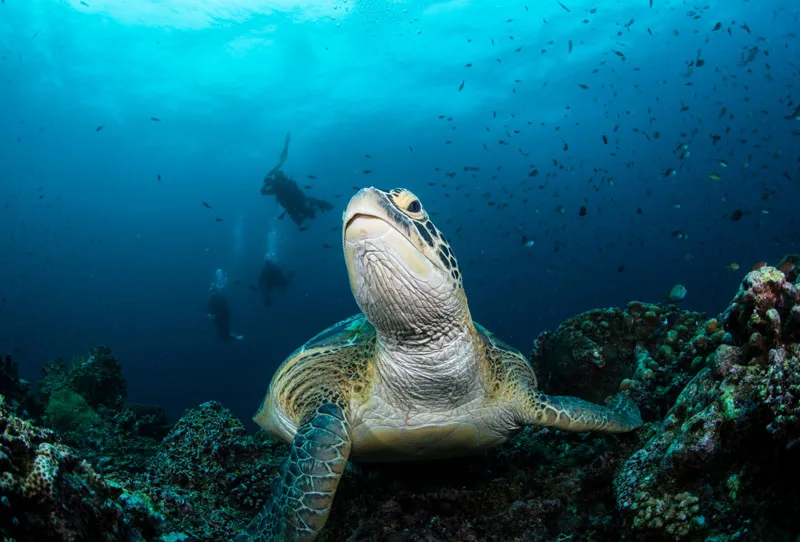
[328, 368]
[302, 496]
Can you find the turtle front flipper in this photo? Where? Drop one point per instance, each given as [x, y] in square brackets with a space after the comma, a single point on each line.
[572, 414]
[302, 496]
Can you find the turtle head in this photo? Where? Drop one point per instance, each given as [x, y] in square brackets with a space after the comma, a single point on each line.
[402, 271]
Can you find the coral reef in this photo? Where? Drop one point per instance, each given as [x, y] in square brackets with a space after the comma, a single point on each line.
[715, 461]
[712, 466]
[18, 393]
[97, 378]
[69, 411]
[544, 485]
[74, 483]
[49, 493]
[642, 348]
[209, 475]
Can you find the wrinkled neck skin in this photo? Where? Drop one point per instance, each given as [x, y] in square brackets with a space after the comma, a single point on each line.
[426, 358]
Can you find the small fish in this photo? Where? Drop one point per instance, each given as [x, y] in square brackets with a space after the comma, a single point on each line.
[312, 176]
[584, 87]
[678, 234]
[218, 219]
[206, 205]
[565, 7]
[367, 171]
[527, 242]
[723, 163]
[560, 209]
[758, 265]
[605, 140]
[98, 128]
[582, 211]
[736, 215]
[158, 176]
[671, 172]
[677, 293]
[786, 267]
[155, 119]
[461, 86]
[795, 115]
[680, 148]
[732, 266]
[715, 177]
[717, 26]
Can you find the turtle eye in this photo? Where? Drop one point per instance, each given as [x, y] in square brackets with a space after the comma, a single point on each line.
[414, 206]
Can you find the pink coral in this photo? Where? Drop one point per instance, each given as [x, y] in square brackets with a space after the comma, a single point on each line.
[763, 312]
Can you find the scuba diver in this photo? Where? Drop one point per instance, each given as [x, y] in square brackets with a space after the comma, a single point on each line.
[288, 195]
[218, 309]
[272, 278]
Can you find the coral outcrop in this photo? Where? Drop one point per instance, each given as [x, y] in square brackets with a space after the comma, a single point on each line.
[49, 493]
[209, 475]
[596, 353]
[97, 378]
[711, 467]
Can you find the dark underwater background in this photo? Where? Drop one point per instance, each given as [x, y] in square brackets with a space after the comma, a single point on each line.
[104, 238]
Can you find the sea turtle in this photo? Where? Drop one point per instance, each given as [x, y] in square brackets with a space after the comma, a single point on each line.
[413, 377]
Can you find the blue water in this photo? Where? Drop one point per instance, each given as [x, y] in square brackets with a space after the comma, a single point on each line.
[95, 249]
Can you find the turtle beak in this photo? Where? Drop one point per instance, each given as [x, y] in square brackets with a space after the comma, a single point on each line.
[362, 218]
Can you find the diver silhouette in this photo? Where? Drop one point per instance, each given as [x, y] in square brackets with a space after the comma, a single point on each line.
[288, 194]
[218, 309]
[272, 278]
